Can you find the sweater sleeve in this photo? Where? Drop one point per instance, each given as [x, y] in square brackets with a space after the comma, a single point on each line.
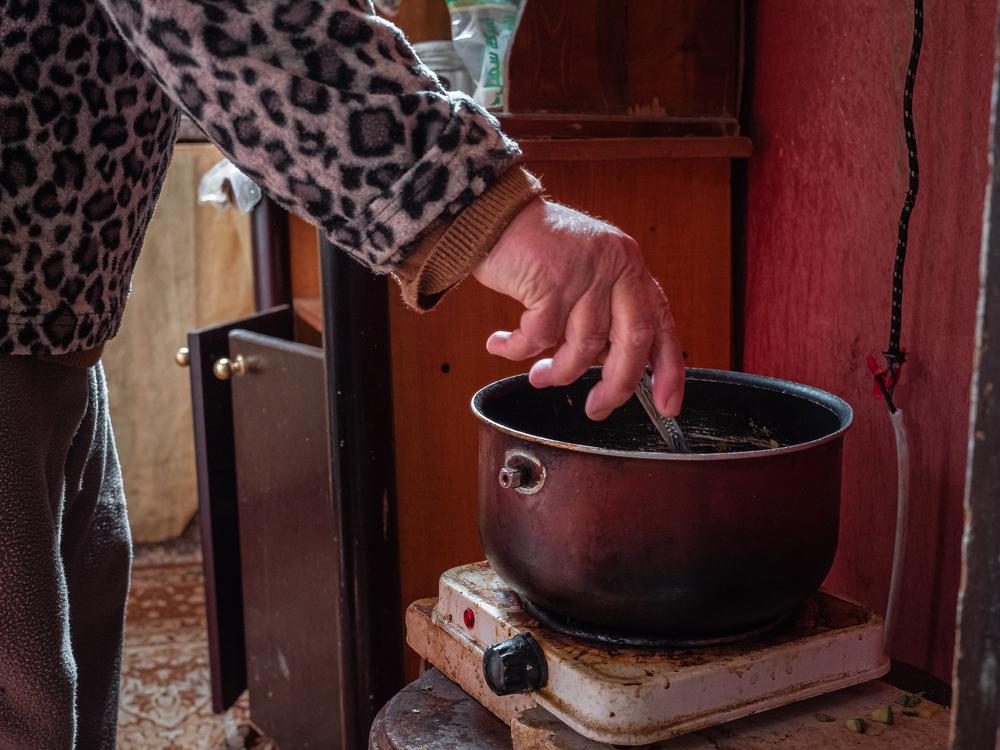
[327, 108]
[449, 251]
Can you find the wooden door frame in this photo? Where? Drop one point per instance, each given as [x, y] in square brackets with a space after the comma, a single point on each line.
[363, 473]
[976, 680]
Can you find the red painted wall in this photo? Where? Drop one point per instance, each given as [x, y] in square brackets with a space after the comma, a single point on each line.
[824, 191]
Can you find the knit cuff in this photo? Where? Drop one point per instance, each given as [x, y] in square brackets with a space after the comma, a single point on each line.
[448, 253]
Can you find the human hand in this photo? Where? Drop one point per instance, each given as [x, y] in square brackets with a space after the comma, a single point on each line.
[584, 283]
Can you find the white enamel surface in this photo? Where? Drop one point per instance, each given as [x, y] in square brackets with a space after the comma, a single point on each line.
[633, 696]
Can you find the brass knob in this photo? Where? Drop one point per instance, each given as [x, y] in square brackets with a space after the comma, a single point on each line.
[227, 368]
[183, 356]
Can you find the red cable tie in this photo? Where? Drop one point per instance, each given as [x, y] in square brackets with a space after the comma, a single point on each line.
[889, 376]
[877, 375]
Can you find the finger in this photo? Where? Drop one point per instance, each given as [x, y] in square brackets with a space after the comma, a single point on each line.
[632, 334]
[667, 360]
[541, 328]
[587, 330]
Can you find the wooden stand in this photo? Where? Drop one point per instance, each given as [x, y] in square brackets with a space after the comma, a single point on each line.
[433, 712]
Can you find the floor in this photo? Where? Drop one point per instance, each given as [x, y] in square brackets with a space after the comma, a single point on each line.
[165, 700]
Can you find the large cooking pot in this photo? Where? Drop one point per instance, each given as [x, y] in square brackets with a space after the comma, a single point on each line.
[595, 527]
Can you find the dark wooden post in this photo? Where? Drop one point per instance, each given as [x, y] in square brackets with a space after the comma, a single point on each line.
[272, 280]
[976, 707]
[359, 402]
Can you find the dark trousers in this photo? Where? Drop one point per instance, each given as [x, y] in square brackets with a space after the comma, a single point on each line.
[65, 554]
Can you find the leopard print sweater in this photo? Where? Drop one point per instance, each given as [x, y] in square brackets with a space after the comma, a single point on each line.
[323, 104]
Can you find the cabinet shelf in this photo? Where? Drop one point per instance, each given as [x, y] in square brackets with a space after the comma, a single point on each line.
[310, 311]
[625, 149]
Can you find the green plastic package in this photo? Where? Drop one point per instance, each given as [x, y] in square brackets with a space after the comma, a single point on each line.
[483, 32]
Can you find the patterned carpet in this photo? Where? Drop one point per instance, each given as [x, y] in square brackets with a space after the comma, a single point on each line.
[165, 698]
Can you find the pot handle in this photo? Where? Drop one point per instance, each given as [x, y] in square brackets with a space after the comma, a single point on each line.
[521, 471]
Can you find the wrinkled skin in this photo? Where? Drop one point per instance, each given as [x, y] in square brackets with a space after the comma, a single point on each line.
[586, 290]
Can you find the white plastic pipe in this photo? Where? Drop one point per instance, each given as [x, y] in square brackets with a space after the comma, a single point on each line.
[902, 517]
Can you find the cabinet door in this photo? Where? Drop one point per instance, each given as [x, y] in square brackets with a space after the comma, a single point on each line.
[217, 508]
[289, 541]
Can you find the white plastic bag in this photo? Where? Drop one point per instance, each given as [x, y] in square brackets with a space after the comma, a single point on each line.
[223, 180]
[483, 32]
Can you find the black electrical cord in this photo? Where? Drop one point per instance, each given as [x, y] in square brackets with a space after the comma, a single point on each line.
[894, 354]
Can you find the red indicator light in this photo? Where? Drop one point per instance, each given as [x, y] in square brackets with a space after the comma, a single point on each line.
[470, 618]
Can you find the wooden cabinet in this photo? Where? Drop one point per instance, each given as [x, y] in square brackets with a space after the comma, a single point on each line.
[297, 504]
[218, 515]
[636, 67]
[669, 60]
[269, 528]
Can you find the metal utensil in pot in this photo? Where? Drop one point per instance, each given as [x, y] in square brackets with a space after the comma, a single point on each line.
[668, 428]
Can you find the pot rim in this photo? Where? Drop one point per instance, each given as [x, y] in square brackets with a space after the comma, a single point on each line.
[835, 404]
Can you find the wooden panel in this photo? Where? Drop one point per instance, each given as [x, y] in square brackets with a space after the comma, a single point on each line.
[289, 536]
[218, 514]
[825, 191]
[683, 57]
[309, 310]
[570, 56]
[304, 245]
[642, 57]
[423, 20]
[678, 210]
[623, 149]
[977, 650]
[582, 125]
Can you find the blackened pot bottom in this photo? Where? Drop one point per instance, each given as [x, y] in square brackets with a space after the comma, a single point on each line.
[620, 640]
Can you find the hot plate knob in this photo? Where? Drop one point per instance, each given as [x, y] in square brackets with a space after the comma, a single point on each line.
[516, 665]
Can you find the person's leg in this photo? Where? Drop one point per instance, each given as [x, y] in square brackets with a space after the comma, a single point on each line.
[97, 554]
[41, 406]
